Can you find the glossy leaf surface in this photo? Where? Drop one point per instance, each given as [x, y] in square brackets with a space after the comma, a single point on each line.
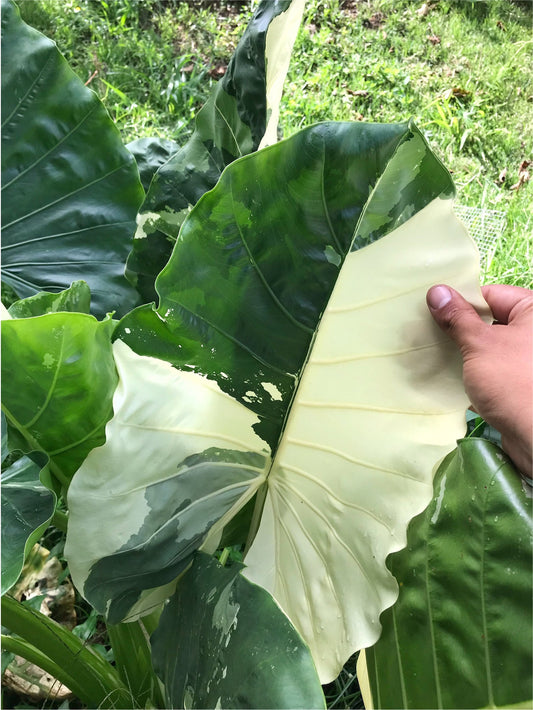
[58, 379]
[27, 507]
[151, 154]
[241, 112]
[224, 642]
[297, 288]
[460, 634]
[76, 299]
[62, 161]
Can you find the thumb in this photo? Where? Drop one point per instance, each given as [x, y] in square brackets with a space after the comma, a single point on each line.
[455, 316]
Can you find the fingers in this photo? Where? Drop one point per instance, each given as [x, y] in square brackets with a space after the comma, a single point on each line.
[502, 299]
[455, 315]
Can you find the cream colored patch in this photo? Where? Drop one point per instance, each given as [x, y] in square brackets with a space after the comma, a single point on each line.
[145, 219]
[161, 416]
[380, 403]
[272, 390]
[280, 38]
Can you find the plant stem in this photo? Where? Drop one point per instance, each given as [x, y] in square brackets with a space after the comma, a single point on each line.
[60, 520]
[97, 682]
[133, 658]
[33, 655]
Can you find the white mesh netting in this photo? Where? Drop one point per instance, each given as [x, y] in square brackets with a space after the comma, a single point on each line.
[485, 227]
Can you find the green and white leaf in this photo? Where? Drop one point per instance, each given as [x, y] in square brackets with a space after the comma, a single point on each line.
[224, 642]
[76, 299]
[58, 379]
[180, 454]
[298, 286]
[460, 634]
[240, 116]
[62, 159]
[27, 508]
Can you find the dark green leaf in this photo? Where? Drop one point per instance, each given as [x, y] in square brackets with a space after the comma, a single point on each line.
[460, 634]
[224, 642]
[151, 154]
[76, 299]
[27, 507]
[70, 189]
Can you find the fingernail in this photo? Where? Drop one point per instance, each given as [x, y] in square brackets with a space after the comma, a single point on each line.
[438, 297]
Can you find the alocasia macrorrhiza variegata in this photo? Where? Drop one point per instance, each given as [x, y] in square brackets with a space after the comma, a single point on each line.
[290, 355]
[306, 369]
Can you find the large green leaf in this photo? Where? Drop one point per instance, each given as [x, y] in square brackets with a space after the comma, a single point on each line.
[27, 507]
[460, 634]
[70, 190]
[240, 115]
[296, 288]
[58, 379]
[224, 642]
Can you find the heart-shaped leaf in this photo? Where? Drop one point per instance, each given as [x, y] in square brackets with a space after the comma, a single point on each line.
[295, 296]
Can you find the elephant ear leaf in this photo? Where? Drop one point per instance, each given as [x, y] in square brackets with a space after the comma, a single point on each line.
[62, 157]
[240, 115]
[465, 593]
[223, 642]
[296, 294]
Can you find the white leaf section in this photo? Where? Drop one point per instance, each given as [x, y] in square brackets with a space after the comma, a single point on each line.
[161, 417]
[379, 404]
[281, 35]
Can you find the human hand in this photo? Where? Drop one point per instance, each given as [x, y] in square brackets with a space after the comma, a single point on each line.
[497, 361]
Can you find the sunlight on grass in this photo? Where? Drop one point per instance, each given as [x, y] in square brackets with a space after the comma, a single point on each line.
[460, 68]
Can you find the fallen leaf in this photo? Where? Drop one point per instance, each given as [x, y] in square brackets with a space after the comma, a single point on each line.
[501, 177]
[523, 175]
[358, 92]
[218, 71]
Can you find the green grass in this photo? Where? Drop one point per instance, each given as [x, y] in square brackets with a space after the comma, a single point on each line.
[462, 71]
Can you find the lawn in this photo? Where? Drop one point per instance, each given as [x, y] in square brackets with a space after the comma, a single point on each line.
[460, 68]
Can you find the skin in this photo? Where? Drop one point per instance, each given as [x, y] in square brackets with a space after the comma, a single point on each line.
[497, 360]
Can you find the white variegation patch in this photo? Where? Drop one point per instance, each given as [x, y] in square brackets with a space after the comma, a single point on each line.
[280, 38]
[161, 417]
[379, 404]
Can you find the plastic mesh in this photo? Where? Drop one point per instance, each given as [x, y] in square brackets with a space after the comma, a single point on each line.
[485, 227]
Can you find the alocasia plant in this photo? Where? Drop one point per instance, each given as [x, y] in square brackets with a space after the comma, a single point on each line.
[289, 363]
[307, 339]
